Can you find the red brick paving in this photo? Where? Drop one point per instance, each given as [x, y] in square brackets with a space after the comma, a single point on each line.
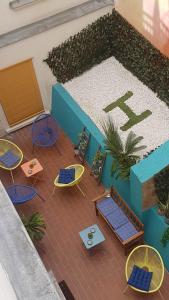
[90, 277]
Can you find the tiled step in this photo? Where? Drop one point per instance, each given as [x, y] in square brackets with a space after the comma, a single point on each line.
[53, 279]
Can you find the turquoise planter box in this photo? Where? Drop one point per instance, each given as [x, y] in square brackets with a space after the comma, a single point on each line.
[72, 120]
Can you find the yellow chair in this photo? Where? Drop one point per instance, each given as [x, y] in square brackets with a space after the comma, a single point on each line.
[149, 259]
[5, 146]
[79, 170]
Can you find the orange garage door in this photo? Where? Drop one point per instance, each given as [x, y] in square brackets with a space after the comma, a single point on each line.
[19, 92]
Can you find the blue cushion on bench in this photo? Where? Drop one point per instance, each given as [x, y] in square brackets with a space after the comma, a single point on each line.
[117, 218]
[66, 175]
[106, 206]
[9, 159]
[126, 231]
[140, 278]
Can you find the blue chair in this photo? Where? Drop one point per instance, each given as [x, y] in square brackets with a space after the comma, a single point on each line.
[45, 131]
[22, 193]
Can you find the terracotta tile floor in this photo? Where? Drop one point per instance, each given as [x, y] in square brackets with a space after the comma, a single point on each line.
[90, 277]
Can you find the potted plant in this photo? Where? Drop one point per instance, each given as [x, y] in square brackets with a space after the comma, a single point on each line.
[35, 226]
[123, 153]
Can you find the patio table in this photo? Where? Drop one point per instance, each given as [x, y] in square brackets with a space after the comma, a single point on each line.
[97, 238]
[32, 168]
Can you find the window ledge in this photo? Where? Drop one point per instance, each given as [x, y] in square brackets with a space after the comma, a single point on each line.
[21, 3]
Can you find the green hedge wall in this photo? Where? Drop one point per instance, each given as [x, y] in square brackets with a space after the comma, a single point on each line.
[111, 35]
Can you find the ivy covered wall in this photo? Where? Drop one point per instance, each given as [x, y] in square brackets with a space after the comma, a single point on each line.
[111, 35]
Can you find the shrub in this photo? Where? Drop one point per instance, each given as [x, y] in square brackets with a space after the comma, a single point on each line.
[111, 35]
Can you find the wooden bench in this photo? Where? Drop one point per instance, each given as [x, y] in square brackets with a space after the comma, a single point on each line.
[121, 219]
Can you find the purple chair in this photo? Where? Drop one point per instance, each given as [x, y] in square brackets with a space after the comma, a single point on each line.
[45, 131]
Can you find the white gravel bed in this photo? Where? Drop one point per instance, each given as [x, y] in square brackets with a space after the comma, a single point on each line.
[108, 81]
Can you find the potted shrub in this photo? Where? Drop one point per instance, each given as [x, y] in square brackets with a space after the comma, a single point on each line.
[35, 226]
[123, 153]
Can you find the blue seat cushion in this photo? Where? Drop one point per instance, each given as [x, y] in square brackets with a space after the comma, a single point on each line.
[66, 175]
[106, 206]
[117, 218]
[126, 231]
[140, 278]
[9, 159]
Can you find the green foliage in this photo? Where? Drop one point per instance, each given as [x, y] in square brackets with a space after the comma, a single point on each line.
[99, 156]
[111, 35]
[161, 182]
[81, 51]
[123, 154]
[164, 208]
[165, 237]
[133, 118]
[35, 226]
[120, 102]
[97, 165]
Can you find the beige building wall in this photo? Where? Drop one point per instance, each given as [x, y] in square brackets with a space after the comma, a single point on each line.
[38, 46]
[149, 17]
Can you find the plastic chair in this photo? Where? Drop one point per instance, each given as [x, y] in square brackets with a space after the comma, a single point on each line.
[22, 193]
[15, 153]
[44, 131]
[149, 259]
[79, 170]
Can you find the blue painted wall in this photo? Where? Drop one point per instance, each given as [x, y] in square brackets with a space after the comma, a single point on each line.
[135, 194]
[72, 120]
[154, 225]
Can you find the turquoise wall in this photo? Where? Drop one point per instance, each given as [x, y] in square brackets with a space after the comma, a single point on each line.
[144, 171]
[154, 227]
[135, 194]
[72, 120]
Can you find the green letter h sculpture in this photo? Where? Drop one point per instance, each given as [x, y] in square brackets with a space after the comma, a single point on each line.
[133, 118]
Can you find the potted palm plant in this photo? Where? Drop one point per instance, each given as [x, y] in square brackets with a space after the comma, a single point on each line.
[123, 153]
[35, 226]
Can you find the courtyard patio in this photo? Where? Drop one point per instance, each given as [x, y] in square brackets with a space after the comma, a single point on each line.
[98, 276]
